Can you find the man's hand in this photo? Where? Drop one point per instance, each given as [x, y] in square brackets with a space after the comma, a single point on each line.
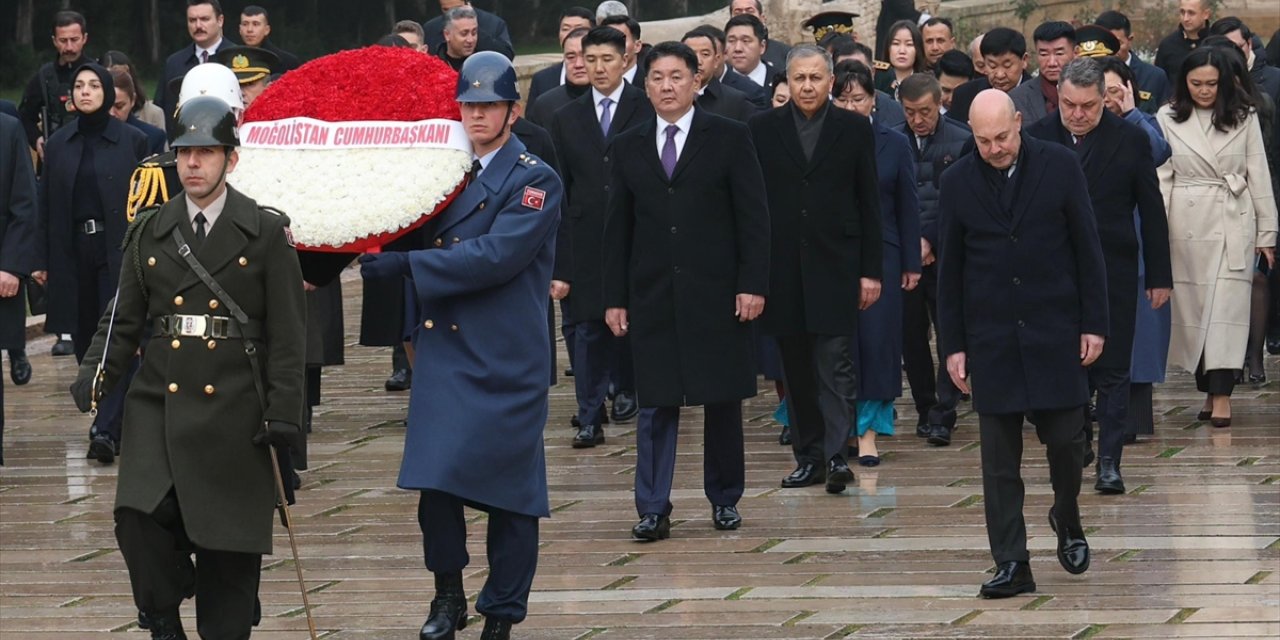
[926, 253]
[1158, 297]
[870, 293]
[82, 393]
[387, 264]
[1090, 348]
[279, 434]
[1127, 102]
[748, 307]
[616, 318]
[8, 284]
[956, 368]
[40, 147]
[910, 280]
[559, 289]
[40, 277]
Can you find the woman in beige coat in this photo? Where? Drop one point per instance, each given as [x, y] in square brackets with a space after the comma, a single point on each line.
[1222, 220]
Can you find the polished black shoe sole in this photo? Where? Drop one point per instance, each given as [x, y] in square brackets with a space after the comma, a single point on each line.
[835, 488]
[1109, 488]
[1007, 592]
[102, 451]
[844, 476]
[726, 526]
[1062, 559]
[940, 439]
[651, 536]
[787, 483]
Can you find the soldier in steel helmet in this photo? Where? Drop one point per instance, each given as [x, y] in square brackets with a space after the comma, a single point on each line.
[479, 404]
[214, 280]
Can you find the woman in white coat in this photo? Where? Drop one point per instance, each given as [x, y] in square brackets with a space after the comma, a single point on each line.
[1222, 220]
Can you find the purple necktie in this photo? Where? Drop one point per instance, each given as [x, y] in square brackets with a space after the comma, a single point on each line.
[204, 56]
[606, 118]
[669, 150]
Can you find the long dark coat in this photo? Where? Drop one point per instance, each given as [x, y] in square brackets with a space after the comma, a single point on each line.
[479, 400]
[1117, 163]
[824, 216]
[1015, 294]
[678, 251]
[192, 410]
[18, 226]
[119, 149]
[584, 165]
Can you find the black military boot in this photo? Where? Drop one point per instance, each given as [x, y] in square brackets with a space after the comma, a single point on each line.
[165, 626]
[496, 630]
[448, 609]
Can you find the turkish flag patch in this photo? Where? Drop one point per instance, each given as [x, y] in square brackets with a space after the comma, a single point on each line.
[534, 198]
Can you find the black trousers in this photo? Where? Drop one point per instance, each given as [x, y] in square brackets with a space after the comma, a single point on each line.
[1062, 433]
[593, 360]
[158, 553]
[723, 469]
[934, 394]
[1217, 382]
[822, 386]
[1111, 384]
[1141, 417]
[511, 545]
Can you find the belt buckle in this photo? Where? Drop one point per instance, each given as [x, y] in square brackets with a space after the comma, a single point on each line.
[191, 326]
[218, 327]
[91, 227]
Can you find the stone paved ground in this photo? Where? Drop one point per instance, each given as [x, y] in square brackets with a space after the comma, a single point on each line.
[1193, 550]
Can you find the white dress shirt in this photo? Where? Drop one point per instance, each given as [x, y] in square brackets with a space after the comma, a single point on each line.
[629, 76]
[210, 212]
[760, 74]
[684, 123]
[485, 160]
[211, 50]
[596, 97]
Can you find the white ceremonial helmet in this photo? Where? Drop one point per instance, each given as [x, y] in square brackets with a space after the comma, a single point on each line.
[211, 79]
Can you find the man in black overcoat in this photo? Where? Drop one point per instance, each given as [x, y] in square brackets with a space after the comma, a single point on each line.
[686, 269]
[582, 131]
[1022, 310]
[1121, 175]
[824, 209]
[18, 226]
[713, 96]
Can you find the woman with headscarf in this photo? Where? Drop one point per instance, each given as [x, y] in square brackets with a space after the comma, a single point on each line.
[84, 192]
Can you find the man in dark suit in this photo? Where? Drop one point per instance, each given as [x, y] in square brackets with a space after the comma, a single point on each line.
[582, 131]
[571, 20]
[746, 38]
[1055, 43]
[825, 258]
[936, 143]
[776, 52]
[43, 108]
[1022, 304]
[493, 33]
[255, 27]
[204, 24]
[636, 49]
[1004, 55]
[686, 269]
[1193, 26]
[725, 74]
[712, 95]
[576, 81]
[18, 227]
[1121, 176]
[1150, 82]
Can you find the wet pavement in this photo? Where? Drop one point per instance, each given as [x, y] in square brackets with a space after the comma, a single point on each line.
[1191, 551]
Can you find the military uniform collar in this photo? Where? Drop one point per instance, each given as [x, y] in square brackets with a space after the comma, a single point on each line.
[238, 208]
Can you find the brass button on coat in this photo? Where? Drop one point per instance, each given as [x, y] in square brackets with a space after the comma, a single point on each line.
[178, 301]
[151, 262]
[213, 304]
[453, 327]
[208, 389]
[213, 344]
[430, 324]
[176, 343]
[439, 242]
[173, 387]
[244, 262]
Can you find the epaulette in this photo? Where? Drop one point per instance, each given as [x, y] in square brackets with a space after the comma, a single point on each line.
[881, 65]
[276, 212]
[147, 185]
[137, 221]
[1144, 95]
[530, 160]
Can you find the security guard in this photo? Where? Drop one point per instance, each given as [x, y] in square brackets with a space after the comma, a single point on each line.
[479, 404]
[214, 279]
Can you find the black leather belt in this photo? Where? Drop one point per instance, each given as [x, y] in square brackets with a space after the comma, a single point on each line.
[90, 227]
[206, 327]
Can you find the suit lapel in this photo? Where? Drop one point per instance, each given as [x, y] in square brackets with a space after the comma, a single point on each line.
[585, 112]
[490, 181]
[1100, 148]
[226, 240]
[650, 151]
[628, 104]
[693, 142]
[786, 129]
[826, 139]
[1030, 184]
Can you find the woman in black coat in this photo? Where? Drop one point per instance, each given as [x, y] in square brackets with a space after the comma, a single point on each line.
[84, 192]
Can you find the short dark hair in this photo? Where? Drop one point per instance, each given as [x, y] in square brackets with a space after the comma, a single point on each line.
[605, 35]
[1223, 26]
[1112, 64]
[255, 10]
[68, 18]
[919, 85]
[632, 25]
[392, 40]
[1235, 99]
[1053, 30]
[217, 6]
[708, 31]
[777, 79]
[851, 72]
[1002, 40]
[580, 32]
[938, 20]
[748, 20]
[954, 63]
[670, 49]
[841, 45]
[579, 12]
[1114, 20]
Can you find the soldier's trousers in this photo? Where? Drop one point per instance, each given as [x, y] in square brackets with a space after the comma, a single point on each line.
[158, 553]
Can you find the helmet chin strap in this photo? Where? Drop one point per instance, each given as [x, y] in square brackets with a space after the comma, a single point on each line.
[505, 119]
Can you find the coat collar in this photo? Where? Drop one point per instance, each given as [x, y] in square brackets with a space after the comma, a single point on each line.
[827, 138]
[1032, 162]
[491, 181]
[695, 139]
[238, 223]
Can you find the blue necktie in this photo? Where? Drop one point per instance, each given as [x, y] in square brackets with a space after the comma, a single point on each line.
[669, 150]
[606, 118]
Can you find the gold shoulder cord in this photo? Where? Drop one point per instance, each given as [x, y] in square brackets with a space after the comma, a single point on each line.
[145, 184]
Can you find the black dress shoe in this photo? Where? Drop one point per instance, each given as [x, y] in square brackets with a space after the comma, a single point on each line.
[940, 435]
[838, 471]
[652, 527]
[162, 626]
[726, 518]
[103, 449]
[1273, 346]
[1011, 579]
[400, 380]
[805, 475]
[1073, 549]
[1109, 480]
[923, 430]
[784, 438]
[588, 436]
[625, 407]
[1255, 379]
[496, 630]
[448, 609]
[62, 348]
[568, 372]
[577, 424]
[19, 368]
